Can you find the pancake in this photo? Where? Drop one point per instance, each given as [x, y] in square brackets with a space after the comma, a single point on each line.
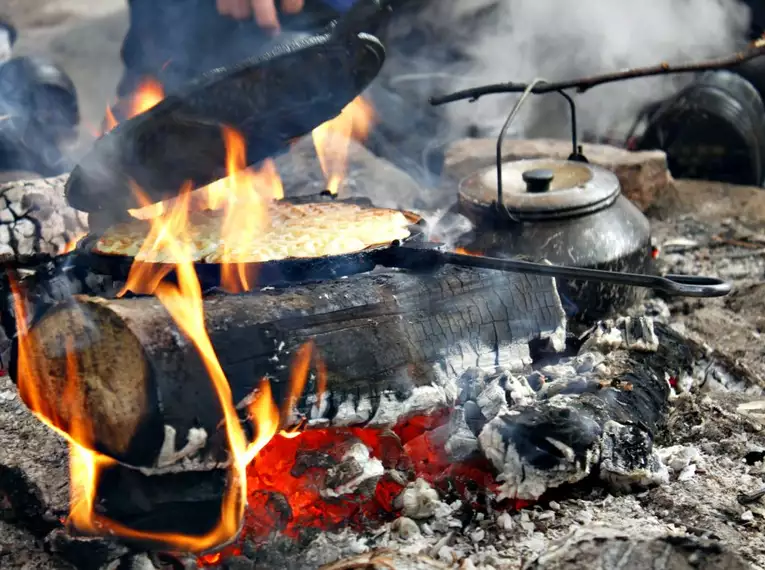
[285, 231]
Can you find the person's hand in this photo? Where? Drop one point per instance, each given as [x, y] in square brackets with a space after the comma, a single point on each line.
[264, 11]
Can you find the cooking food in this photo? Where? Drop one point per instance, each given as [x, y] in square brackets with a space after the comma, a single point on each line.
[285, 231]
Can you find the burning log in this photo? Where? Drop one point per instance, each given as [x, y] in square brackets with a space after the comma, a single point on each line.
[391, 345]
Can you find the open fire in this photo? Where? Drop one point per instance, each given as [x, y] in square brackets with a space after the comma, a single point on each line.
[276, 464]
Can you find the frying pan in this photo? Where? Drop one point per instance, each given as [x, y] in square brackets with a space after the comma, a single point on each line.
[415, 253]
[272, 100]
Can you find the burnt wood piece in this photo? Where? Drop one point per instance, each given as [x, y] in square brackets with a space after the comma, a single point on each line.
[35, 220]
[596, 414]
[643, 175]
[393, 344]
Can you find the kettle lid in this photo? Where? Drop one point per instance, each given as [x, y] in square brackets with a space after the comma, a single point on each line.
[538, 189]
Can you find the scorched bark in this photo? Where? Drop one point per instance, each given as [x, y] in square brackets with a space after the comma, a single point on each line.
[393, 343]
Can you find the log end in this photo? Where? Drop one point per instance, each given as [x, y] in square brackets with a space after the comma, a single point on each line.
[87, 374]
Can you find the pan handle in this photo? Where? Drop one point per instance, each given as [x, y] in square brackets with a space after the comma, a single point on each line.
[695, 286]
[428, 256]
[365, 16]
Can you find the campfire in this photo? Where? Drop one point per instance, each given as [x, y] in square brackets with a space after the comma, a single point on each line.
[246, 375]
[304, 446]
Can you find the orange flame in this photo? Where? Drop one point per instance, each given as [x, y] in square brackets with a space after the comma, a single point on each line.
[332, 139]
[71, 244]
[149, 93]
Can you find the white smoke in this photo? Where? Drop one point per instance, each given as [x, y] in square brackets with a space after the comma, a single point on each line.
[518, 40]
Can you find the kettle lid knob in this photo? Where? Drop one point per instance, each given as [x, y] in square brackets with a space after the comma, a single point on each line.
[538, 179]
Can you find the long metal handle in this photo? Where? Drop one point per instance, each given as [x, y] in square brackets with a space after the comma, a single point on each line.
[424, 257]
[675, 285]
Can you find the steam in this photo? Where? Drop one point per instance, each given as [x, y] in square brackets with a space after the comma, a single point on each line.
[474, 42]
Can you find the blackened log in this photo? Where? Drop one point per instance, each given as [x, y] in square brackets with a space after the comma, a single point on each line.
[600, 414]
[393, 344]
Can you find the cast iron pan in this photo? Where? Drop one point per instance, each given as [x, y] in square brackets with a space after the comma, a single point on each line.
[280, 273]
[271, 100]
[414, 254]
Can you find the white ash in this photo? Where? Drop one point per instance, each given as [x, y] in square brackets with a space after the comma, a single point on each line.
[681, 460]
[405, 529]
[639, 467]
[172, 460]
[631, 333]
[461, 442]
[368, 471]
[350, 413]
[418, 501]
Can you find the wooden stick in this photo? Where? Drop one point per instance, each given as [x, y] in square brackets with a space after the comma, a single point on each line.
[581, 85]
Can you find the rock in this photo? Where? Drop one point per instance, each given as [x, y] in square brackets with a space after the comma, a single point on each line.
[643, 175]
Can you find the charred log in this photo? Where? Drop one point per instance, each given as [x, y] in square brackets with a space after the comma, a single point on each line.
[188, 503]
[393, 344]
[596, 414]
[35, 220]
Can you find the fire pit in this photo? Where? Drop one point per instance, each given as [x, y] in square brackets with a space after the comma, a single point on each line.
[425, 401]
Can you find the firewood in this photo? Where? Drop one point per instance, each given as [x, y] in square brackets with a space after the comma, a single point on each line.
[393, 344]
[35, 220]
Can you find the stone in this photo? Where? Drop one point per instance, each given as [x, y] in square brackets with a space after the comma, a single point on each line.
[643, 175]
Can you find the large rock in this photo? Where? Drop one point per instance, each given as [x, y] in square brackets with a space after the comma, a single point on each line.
[643, 175]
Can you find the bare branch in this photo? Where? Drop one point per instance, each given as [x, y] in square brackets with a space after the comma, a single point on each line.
[757, 49]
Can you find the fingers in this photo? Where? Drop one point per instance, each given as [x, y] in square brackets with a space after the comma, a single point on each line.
[265, 13]
[239, 9]
[292, 6]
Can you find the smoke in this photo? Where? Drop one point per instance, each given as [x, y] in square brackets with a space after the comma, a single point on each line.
[444, 46]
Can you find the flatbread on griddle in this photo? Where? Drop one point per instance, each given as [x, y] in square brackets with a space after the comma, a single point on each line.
[286, 231]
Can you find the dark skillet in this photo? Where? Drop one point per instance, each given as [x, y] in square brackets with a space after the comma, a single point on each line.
[415, 254]
[271, 100]
[280, 273]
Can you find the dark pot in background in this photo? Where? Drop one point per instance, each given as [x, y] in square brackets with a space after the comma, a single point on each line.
[713, 129]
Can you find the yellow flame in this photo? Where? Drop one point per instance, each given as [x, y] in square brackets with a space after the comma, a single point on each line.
[332, 139]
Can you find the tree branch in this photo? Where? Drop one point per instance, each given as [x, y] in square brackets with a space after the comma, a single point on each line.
[757, 49]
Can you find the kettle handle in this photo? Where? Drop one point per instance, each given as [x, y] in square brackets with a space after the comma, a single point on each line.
[576, 153]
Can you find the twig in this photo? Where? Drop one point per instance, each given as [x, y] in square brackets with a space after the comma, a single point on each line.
[757, 49]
